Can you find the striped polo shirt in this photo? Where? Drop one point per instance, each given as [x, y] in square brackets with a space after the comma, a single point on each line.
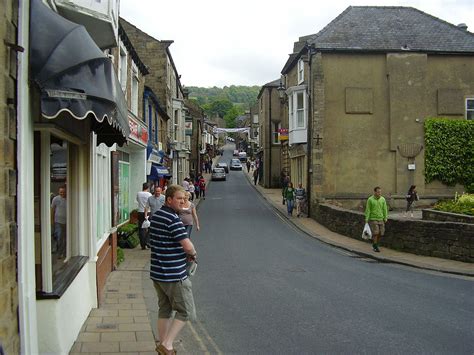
[168, 258]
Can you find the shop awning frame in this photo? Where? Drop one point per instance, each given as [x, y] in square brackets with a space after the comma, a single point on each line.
[75, 78]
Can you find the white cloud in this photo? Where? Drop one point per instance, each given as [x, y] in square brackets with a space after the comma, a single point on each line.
[247, 42]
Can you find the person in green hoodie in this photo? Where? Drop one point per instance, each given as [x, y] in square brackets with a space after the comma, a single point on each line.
[376, 212]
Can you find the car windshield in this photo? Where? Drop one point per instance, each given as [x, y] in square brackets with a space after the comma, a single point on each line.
[235, 161]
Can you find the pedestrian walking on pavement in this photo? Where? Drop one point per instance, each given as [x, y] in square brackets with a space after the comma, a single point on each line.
[191, 190]
[202, 187]
[196, 186]
[376, 213]
[188, 215]
[142, 199]
[170, 249]
[185, 184]
[255, 176]
[154, 202]
[300, 195]
[289, 197]
[248, 166]
[411, 197]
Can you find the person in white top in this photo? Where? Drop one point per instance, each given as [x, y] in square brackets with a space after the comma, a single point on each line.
[142, 199]
[185, 184]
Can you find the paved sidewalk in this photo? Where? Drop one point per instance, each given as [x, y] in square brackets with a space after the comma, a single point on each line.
[121, 324]
[318, 231]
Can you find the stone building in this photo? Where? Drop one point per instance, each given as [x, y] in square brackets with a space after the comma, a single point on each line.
[366, 88]
[165, 82]
[271, 121]
[9, 337]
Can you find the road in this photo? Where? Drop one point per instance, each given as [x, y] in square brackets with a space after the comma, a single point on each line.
[263, 287]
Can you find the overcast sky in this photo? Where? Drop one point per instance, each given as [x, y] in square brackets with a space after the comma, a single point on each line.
[247, 42]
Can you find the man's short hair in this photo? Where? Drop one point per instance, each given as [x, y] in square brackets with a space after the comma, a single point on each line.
[376, 188]
[172, 190]
[145, 186]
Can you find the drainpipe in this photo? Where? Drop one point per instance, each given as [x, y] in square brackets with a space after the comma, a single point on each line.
[310, 130]
[269, 163]
[25, 194]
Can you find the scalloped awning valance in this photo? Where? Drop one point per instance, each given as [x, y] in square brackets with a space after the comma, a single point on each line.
[75, 77]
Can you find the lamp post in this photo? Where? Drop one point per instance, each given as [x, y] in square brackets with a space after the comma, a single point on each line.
[282, 92]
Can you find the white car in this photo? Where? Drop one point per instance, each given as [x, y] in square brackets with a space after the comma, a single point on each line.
[235, 164]
[218, 174]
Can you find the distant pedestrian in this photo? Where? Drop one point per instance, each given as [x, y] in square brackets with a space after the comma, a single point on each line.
[142, 199]
[202, 187]
[248, 166]
[255, 176]
[196, 186]
[171, 248]
[185, 184]
[289, 197]
[188, 215]
[376, 214]
[191, 190]
[154, 202]
[411, 197]
[300, 195]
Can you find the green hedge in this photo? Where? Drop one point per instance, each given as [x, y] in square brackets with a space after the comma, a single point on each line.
[449, 154]
[463, 204]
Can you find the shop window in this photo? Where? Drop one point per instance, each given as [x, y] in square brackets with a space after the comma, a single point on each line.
[55, 212]
[124, 191]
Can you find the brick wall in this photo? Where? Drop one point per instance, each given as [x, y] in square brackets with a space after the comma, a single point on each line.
[8, 280]
[446, 240]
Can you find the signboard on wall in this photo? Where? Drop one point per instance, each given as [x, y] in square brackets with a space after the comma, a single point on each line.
[138, 131]
[283, 134]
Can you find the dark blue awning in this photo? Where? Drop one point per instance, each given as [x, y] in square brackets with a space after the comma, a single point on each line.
[159, 172]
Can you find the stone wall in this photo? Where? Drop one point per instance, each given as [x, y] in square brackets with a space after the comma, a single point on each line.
[448, 240]
[441, 216]
[9, 337]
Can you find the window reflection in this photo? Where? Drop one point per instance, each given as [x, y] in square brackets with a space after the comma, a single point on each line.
[58, 188]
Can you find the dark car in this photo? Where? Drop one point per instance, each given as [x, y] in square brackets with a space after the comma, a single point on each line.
[224, 166]
[218, 174]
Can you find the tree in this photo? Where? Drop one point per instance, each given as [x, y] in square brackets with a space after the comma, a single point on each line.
[232, 114]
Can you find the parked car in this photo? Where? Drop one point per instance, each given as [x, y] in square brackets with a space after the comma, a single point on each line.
[235, 164]
[218, 174]
[224, 166]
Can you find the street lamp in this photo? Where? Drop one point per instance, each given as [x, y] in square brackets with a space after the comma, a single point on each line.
[282, 92]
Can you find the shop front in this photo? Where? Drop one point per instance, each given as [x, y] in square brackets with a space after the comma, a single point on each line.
[78, 112]
[158, 172]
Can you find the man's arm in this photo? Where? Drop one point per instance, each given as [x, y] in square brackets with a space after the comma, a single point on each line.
[367, 210]
[188, 247]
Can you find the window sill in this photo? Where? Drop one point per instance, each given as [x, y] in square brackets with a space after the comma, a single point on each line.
[68, 274]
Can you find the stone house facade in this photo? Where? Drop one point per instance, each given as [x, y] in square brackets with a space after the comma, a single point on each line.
[369, 88]
[165, 82]
[9, 337]
[271, 121]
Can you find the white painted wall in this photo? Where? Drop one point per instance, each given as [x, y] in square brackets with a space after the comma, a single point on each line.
[60, 320]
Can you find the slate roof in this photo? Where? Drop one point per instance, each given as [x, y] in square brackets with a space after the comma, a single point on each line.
[387, 29]
[273, 84]
[380, 28]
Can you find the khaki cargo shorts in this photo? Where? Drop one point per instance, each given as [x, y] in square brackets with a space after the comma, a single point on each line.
[377, 227]
[175, 296]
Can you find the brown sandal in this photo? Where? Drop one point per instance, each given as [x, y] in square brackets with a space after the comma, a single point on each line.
[163, 351]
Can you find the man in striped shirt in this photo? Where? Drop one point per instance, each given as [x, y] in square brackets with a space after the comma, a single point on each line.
[170, 249]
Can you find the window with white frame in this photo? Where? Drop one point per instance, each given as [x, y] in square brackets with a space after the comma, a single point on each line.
[470, 108]
[300, 71]
[297, 109]
[103, 197]
[276, 132]
[175, 125]
[56, 208]
[134, 91]
[123, 67]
